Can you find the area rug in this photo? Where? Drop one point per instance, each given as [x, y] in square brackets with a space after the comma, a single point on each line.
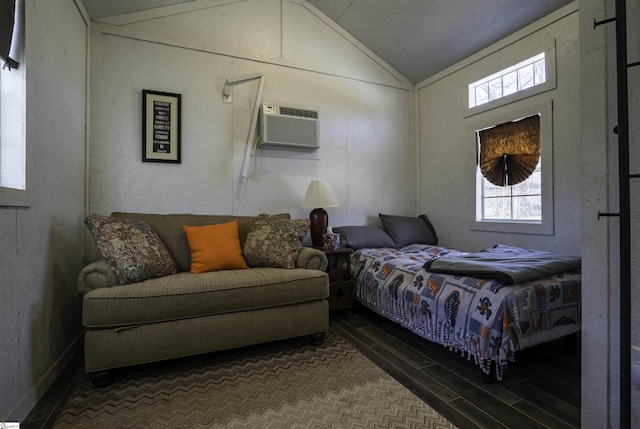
[286, 384]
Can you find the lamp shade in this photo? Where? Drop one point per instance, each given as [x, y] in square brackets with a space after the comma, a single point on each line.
[319, 194]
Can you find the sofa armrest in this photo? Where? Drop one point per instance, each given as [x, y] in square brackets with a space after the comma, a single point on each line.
[312, 259]
[96, 275]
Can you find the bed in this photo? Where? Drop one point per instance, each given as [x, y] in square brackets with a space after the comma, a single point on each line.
[486, 314]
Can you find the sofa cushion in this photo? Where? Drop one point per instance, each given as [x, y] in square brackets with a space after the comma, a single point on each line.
[169, 229]
[132, 248]
[274, 242]
[214, 247]
[186, 295]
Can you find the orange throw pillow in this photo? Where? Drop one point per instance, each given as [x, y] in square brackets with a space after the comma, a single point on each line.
[214, 247]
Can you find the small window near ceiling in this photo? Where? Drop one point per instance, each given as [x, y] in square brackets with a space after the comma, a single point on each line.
[509, 172]
[519, 77]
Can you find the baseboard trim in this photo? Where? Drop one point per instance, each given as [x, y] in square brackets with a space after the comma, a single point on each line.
[30, 400]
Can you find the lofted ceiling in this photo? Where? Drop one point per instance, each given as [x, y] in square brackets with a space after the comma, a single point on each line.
[419, 38]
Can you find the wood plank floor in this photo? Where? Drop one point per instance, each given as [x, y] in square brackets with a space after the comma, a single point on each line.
[540, 390]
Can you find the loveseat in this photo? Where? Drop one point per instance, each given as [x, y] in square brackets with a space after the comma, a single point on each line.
[182, 313]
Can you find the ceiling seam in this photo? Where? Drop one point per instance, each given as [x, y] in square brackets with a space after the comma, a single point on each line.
[345, 10]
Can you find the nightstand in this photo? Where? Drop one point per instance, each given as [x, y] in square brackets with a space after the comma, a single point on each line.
[340, 285]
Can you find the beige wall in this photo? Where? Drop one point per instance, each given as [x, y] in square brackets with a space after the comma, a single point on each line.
[585, 168]
[599, 291]
[585, 176]
[601, 237]
[447, 146]
[43, 246]
[365, 137]
[364, 109]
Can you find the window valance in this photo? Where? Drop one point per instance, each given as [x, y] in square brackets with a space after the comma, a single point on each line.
[510, 152]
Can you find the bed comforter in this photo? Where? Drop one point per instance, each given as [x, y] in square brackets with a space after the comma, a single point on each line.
[485, 319]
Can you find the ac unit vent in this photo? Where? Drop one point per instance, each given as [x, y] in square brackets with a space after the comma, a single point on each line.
[287, 128]
[298, 112]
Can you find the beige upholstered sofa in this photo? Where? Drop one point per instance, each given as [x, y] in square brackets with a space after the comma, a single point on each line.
[185, 314]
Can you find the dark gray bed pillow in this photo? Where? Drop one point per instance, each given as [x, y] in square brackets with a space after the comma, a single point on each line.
[360, 237]
[406, 230]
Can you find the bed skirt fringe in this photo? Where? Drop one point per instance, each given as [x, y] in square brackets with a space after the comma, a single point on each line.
[420, 320]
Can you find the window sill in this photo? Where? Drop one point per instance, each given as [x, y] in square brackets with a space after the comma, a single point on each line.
[14, 197]
[536, 228]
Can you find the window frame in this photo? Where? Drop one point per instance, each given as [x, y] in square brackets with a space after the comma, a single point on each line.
[13, 119]
[549, 84]
[12, 131]
[507, 114]
[501, 74]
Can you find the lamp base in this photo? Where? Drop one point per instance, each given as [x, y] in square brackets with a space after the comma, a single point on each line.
[319, 222]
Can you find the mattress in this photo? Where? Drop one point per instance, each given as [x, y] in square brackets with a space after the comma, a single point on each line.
[484, 319]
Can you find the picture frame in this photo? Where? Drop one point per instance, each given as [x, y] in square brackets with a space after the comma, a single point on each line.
[161, 122]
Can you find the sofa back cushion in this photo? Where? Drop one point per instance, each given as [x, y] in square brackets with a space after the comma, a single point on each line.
[275, 242]
[132, 248]
[169, 229]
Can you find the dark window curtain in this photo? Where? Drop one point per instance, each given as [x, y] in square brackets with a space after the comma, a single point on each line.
[510, 152]
[7, 17]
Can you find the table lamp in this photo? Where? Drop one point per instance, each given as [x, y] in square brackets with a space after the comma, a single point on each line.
[319, 195]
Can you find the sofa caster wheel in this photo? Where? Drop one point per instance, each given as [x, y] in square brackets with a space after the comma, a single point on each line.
[317, 339]
[100, 378]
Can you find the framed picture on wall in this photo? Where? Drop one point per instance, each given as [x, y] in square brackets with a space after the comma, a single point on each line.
[160, 126]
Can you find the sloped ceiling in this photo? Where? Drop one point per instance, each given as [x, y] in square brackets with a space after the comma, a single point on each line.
[419, 38]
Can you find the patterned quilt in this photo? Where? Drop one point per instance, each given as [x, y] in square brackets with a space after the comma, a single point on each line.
[486, 319]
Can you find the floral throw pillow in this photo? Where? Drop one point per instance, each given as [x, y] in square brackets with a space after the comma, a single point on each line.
[274, 242]
[132, 248]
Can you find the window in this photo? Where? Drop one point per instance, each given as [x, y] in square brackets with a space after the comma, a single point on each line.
[516, 203]
[509, 167]
[526, 74]
[514, 195]
[12, 142]
[510, 79]
[14, 157]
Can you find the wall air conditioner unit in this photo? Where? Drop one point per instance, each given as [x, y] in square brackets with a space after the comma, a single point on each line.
[287, 128]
